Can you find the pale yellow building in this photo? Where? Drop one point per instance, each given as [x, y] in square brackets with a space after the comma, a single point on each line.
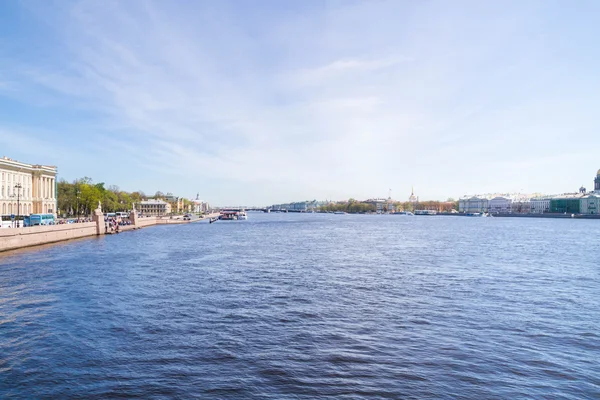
[154, 207]
[175, 202]
[32, 186]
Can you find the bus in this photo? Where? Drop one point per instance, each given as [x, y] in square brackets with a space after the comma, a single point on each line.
[9, 222]
[39, 219]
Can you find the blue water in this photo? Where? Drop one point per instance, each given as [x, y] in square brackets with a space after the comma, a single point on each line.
[289, 306]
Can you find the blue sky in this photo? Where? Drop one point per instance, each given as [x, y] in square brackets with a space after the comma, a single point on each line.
[261, 102]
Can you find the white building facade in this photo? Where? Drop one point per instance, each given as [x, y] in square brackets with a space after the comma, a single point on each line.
[154, 207]
[590, 204]
[540, 205]
[516, 203]
[473, 204]
[27, 188]
[500, 205]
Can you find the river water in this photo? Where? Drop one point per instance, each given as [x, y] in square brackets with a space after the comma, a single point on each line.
[304, 306]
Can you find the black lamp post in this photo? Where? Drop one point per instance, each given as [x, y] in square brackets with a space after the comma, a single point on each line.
[77, 208]
[18, 187]
[12, 211]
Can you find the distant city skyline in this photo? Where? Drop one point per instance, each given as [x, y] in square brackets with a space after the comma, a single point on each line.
[271, 102]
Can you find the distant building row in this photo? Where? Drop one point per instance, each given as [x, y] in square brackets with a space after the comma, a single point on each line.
[582, 202]
[171, 204]
[298, 206]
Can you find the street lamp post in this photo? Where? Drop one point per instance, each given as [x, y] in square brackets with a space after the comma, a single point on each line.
[12, 211]
[77, 197]
[18, 187]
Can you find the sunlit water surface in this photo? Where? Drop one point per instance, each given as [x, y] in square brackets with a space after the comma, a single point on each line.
[289, 306]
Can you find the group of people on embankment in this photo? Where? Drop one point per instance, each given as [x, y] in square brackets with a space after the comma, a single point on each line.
[111, 225]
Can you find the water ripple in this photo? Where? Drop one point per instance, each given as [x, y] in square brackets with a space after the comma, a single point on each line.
[308, 306]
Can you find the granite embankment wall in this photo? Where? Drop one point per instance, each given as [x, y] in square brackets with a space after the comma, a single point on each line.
[151, 221]
[15, 238]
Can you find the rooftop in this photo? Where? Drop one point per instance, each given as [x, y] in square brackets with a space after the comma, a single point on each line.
[570, 196]
[9, 161]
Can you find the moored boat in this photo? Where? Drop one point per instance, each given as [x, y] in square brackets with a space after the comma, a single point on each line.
[403, 213]
[482, 214]
[425, 212]
[233, 215]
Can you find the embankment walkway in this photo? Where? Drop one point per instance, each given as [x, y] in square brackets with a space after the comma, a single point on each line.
[16, 238]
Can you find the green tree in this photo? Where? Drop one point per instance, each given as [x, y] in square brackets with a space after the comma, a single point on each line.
[124, 201]
[111, 201]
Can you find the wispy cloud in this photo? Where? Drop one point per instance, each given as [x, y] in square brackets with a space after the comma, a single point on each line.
[27, 142]
[345, 100]
[345, 69]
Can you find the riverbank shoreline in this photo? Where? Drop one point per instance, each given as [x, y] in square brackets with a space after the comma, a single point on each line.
[531, 215]
[20, 238]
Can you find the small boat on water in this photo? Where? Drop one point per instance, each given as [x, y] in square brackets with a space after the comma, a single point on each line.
[425, 212]
[403, 213]
[340, 212]
[477, 214]
[233, 215]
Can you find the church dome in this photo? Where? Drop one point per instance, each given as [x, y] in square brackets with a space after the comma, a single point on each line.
[598, 174]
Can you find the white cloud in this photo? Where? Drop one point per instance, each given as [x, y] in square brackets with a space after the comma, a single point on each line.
[349, 100]
[26, 142]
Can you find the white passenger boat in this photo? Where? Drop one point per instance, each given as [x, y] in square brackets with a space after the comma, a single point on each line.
[233, 215]
[477, 215]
